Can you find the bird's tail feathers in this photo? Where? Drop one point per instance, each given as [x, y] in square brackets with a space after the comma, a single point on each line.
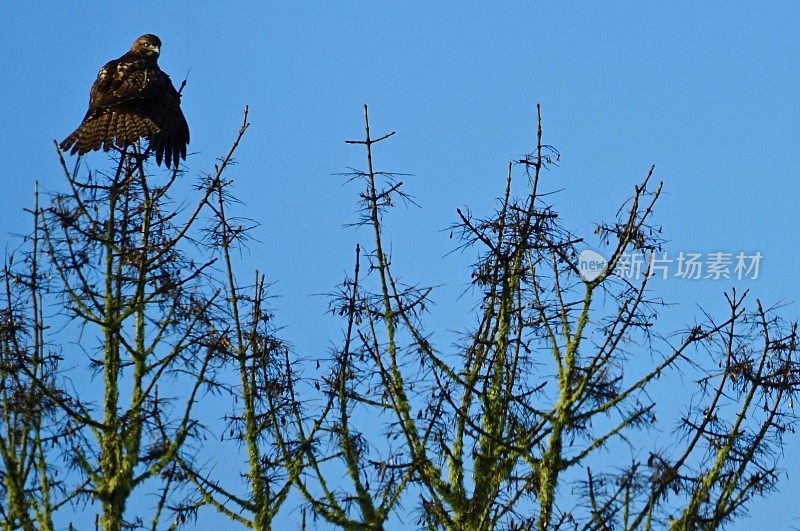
[170, 145]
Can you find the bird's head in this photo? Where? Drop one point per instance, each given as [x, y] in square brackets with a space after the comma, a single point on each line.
[148, 45]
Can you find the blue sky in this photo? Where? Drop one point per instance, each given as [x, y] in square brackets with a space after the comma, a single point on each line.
[705, 91]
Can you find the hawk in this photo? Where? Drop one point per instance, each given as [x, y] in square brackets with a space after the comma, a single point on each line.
[132, 99]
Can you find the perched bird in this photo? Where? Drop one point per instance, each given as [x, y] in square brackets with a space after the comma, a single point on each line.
[132, 99]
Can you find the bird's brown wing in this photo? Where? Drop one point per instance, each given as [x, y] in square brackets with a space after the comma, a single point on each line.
[113, 115]
[117, 83]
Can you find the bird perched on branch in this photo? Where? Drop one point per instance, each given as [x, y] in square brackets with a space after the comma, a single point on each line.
[133, 99]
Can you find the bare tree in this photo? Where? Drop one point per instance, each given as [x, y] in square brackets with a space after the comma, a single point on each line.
[509, 428]
[484, 436]
[127, 279]
[32, 430]
[246, 345]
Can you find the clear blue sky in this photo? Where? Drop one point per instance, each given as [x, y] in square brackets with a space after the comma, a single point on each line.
[706, 91]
